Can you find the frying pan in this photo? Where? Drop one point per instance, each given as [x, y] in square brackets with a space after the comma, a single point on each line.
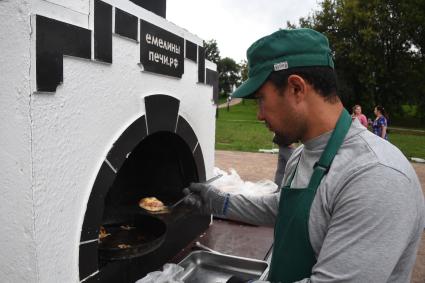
[139, 236]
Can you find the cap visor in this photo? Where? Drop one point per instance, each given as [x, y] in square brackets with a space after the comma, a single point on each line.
[250, 86]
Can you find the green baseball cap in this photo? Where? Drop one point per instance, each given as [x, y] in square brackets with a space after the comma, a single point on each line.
[281, 50]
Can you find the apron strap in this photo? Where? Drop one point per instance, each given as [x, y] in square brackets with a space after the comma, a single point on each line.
[321, 167]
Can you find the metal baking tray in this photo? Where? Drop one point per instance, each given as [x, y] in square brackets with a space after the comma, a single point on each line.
[208, 267]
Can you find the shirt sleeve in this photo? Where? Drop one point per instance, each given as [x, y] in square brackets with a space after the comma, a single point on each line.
[257, 210]
[372, 222]
[260, 210]
[363, 120]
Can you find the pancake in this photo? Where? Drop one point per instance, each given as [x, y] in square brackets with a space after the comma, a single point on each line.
[151, 204]
[102, 233]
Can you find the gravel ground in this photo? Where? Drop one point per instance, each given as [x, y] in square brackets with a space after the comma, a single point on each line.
[257, 166]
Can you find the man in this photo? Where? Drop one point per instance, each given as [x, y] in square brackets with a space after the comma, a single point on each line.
[351, 208]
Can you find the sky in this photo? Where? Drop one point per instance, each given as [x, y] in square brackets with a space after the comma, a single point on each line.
[236, 24]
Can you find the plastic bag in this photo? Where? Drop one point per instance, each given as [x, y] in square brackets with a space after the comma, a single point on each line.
[170, 274]
[233, 184]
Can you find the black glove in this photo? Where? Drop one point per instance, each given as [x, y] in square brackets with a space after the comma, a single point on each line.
[207, 198]
[237, 279]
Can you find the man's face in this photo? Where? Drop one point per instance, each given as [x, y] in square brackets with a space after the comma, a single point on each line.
[276, 109]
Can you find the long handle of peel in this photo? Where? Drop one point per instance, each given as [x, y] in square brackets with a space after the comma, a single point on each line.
[206, 182]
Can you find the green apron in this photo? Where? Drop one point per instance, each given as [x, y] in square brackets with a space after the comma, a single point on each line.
[293, 257]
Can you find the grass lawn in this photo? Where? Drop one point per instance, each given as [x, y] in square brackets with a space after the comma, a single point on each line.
[411, 144]
[240, 130]
[222, 99]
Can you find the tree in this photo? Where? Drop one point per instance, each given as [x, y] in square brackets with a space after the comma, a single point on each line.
[414, 18]
[372, 48]
[228, 77]
[228, 70]
[212, 52]
[243, 66]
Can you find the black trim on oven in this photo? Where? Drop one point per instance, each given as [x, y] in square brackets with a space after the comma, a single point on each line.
[212, 80]
[158, 107]
[55, 39]
[201, 64]
[88, 260]
[191, 51]
[102, 31]
[94, 211]
[125, 24]
[161, 113]
[127, 142]
[200, 164]
[186, 132]
[93, 278]
[158, 7]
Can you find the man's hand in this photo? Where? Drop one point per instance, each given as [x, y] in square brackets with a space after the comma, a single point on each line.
[207, 198]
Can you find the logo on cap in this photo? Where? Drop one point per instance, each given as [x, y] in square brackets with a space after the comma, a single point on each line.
[281, 66]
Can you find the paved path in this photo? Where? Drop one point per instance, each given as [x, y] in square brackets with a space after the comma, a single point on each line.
[257, 166]
[234, 101]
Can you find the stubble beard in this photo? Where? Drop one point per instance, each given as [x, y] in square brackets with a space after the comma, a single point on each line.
[285, 138]
[292, 133]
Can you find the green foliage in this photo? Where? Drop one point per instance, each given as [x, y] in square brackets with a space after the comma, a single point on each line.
[414, 11]
[378, 50]
[229, 72]
[244, 70]
[212, 52]
[410, 117]
[229, 75]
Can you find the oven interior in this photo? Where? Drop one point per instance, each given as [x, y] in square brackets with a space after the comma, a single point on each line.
[160, 166]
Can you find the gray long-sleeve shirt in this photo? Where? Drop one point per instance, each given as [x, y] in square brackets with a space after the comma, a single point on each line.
[368, 214]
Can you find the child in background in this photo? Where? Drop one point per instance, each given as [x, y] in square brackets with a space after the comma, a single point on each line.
[357, 113]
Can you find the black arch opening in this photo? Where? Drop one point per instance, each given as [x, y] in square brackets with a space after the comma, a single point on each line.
[161, 166]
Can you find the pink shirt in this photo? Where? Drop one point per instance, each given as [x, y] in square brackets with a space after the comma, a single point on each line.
[362, 118]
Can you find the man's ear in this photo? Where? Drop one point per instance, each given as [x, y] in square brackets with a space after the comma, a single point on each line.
[298, 87]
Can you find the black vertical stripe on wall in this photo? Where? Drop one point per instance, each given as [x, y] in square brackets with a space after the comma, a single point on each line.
[158, 7]
[201, 64]
[102, 31]
[125, 24]
[55, 39]
[191, 51]
[212, 80]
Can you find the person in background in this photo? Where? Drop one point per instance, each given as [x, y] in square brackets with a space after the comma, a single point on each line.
[379, 126]
[285, 151]
[357, 113]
